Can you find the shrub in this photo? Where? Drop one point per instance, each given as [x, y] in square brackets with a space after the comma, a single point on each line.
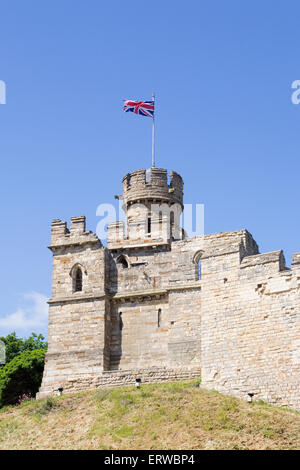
[22, 375]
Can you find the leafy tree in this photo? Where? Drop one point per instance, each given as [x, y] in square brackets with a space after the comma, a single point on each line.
[15, 345]
[22, 375]
[34, 342]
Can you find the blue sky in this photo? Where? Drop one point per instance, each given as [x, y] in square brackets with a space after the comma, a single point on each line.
[222, 73]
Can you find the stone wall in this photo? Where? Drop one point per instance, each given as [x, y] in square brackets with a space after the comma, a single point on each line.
[251, 328]
[138, 338]
[120, 378]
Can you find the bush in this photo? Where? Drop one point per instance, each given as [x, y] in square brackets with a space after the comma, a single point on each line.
[22, 375]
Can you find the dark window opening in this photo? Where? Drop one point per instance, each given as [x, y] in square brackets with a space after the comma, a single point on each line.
[159, 318]
[149, 225]
[78, 280]
[120, 321]
[160, 219]
[122, 260]
[172, 225]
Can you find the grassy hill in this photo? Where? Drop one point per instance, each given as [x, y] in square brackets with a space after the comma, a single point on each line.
[161, 416]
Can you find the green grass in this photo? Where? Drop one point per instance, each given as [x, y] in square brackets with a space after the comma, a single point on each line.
[158, 416]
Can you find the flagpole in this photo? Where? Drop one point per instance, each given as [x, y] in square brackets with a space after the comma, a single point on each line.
[153, 133]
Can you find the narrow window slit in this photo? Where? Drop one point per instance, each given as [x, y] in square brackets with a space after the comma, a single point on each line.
[199, 267]
[159, 317]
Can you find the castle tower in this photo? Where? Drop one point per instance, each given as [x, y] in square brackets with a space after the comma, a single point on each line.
[157, 306]
[153, 207]
[77, 332]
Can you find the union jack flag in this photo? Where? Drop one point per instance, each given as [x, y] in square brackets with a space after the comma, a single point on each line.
[144, 108]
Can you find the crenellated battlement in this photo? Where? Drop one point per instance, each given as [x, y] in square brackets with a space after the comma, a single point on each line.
[152, 184]
[61, 235]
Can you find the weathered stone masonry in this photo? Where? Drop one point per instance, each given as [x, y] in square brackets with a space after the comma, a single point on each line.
[138, 308]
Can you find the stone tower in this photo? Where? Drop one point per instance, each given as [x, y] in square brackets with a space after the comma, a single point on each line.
[109, 306]
[152, 206]
[142, 307]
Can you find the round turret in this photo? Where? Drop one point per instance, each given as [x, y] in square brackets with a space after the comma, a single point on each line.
[149, 185]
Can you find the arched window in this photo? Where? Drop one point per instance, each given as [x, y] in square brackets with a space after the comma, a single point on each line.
[121, 260]
[78, 280]
[198, 265]
[78, 275]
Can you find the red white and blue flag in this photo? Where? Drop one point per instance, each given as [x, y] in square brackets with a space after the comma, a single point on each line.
[144, 108]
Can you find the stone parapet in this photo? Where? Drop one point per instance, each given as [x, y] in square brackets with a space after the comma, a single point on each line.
[152, 184]
[61, 236]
